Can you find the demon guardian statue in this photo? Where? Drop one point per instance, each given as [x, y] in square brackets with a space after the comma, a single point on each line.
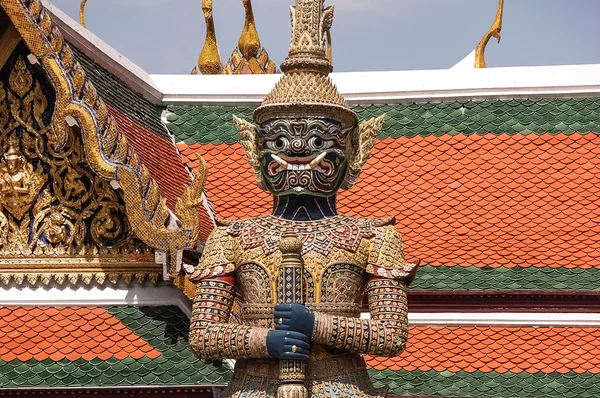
[301, 273]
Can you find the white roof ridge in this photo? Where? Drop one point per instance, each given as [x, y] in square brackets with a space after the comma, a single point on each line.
[396, 86]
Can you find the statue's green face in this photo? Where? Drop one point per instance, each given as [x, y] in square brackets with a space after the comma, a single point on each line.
[303, 156]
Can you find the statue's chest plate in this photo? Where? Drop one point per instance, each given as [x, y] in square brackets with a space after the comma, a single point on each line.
[318, 237]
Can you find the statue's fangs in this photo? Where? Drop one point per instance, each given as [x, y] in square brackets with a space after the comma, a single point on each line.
[301, 272]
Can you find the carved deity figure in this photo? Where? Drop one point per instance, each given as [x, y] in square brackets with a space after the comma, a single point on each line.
[14, 176]
[19, 183]
[305, 146]
[55, 230]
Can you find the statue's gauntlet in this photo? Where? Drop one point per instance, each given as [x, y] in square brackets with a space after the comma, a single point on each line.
[211, 334]
[384, 334]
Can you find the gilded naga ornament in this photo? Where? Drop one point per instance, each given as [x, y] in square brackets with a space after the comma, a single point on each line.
[301, 273]
[494, 31]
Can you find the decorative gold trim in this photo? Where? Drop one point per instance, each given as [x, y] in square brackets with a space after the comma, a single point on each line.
[494, 31]
[107, 150]
[69, 269]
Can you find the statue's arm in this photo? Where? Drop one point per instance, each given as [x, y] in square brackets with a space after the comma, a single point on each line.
[384, 334]
[211, 334]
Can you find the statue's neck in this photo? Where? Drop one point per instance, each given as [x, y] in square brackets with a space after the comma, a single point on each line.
[304, 207]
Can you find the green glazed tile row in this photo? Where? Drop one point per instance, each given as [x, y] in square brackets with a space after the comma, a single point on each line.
[116, 93]
[165, 328]
[503, 278]
[462, 384]
[213, 124]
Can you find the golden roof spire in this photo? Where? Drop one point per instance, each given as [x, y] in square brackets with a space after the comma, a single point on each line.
[494, 31]
[82, 13]
[209, 61]
[248, 57]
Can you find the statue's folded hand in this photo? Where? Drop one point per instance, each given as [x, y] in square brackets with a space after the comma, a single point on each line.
[283, 344]
[295, 317]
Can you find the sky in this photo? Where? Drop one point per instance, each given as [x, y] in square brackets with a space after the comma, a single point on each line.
[166, 36]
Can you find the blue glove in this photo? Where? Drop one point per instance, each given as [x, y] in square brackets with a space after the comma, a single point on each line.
[295, 317]
[288, 345]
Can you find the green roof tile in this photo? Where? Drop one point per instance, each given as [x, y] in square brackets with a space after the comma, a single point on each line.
[404, 383]
[213, 124]
[164, 327]
[502, 278]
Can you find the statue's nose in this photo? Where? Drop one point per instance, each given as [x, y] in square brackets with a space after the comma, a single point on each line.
[298, 147]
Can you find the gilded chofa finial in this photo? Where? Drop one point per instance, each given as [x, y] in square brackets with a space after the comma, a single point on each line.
[249, 43]
[248, 57]
[209, 61]
[493, 32]
[82, 13]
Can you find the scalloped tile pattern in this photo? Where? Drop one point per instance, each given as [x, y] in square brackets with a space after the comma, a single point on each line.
[72, 333]
[483, 200]
[503, 278]
[213, 124]
[151, 348]
[462, 384]
[497, 349]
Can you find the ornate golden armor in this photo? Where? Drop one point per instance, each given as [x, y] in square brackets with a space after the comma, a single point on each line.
[344, 258]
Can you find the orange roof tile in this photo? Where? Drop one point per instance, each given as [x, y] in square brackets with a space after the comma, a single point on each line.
[496, 200]
[497, 349]
[56, 332]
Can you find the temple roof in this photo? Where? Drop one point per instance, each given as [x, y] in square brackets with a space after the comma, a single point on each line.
[493, 183]
[492, 175]
[100, 346]
[493, 361]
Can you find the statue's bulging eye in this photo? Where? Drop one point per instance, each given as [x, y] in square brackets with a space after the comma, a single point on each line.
[279, 144]
[318, 143]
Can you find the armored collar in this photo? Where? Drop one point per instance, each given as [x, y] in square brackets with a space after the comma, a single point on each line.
[322, 236]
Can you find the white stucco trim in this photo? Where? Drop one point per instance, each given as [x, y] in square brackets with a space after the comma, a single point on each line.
[531, 319]
[81, 294]
[396, 86]
[104, 55]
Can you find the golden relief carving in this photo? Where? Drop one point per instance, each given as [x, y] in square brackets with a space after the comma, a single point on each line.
[51, 203]
[106, 149]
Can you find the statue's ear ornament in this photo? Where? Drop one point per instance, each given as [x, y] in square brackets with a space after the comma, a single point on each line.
[249, 140]
[367, 134]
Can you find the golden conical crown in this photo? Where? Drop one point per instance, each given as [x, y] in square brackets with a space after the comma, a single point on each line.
[306, 90]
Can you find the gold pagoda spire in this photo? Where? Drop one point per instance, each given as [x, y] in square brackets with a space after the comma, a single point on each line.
[494, 31]
[209, 61]
[249, 57]
[82, 13]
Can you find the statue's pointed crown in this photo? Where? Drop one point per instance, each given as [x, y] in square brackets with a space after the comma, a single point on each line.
[306, 90]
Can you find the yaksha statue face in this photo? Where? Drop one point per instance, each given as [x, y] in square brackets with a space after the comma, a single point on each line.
[303, 156]
[307, 139]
